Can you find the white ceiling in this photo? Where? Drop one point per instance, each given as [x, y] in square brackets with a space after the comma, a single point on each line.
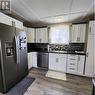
[51, 11]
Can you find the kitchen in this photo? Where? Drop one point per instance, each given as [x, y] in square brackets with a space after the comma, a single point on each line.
[59, 40]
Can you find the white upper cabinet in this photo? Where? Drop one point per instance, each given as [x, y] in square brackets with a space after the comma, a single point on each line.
[10, 21]
[5, 19]
[41, 35]
[16, 23]
[92, 27]
[78, 32]
[30, 35]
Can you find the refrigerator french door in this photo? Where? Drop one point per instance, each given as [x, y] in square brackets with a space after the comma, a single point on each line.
[13, 57]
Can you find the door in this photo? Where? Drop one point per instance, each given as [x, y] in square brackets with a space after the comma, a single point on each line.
[22, 58]
[8, 60]
[89, 68]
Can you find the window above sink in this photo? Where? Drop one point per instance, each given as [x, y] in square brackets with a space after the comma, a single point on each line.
[59, 34]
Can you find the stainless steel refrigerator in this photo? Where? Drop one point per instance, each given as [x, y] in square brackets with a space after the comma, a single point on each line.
[13, 56]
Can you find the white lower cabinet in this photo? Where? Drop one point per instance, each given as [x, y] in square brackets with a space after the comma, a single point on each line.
[72, 63]
[57, 62]
[81, 64]
[32, 60]
[75, 64]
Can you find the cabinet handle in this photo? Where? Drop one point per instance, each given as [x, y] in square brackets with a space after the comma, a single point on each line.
[72, 59]
[72, 64]
[79, 58]
[72, 68]
[57, 60]
[13, 23]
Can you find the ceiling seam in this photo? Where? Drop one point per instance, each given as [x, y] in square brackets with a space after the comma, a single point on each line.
[70, 8]
[62, 14]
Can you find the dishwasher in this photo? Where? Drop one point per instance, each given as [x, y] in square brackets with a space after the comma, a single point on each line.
[42, 60]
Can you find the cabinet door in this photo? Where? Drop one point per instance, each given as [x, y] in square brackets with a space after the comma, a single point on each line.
[89, 68]
[41, 35]
[34, 59]
[44, 35]
[74, 33]
[82, 32]
[38, 35]
[53, 61]
[72, 63]
[19, 24]
[5, 19]
[25, 29]
[78, 33]
[16, 23]
[61, 66]
[31, 35]
[81, 61]
[92, 27]
[30, 60]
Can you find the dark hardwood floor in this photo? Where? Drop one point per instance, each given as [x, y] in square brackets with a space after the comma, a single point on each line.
[74, 85]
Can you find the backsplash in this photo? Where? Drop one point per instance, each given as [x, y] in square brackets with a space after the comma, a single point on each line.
[43, 47]
[70, 47]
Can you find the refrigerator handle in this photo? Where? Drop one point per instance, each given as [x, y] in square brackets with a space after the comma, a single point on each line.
[16, 51]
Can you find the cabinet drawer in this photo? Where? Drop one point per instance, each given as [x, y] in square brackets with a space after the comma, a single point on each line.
[72, 61]
[73, 57]
[72, 66]
[71, 70]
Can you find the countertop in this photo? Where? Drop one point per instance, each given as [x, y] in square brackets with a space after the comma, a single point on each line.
[63, 52]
